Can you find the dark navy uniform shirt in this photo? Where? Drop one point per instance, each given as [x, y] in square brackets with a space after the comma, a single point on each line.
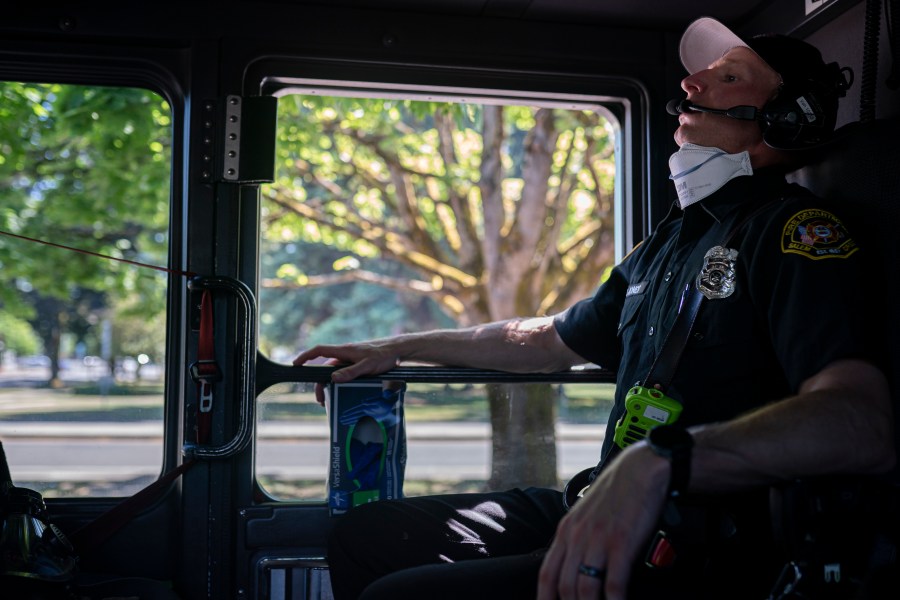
[799, 302]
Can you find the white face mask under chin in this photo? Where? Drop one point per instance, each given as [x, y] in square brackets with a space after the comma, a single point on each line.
[699, 171]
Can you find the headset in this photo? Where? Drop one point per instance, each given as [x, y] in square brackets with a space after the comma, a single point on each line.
[802, 115]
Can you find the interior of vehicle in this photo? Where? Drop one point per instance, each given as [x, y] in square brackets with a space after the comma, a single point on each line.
[194, 192]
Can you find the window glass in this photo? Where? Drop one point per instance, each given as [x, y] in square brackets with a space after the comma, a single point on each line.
[401, 213]
[82, 337]
[448, 436]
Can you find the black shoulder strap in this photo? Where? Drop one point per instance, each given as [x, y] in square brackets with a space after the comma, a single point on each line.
[666, 363]
[663, 369]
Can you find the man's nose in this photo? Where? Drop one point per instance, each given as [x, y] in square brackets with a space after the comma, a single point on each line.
[694, 84]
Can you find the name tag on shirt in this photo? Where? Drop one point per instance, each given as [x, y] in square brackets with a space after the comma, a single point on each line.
[636, 289]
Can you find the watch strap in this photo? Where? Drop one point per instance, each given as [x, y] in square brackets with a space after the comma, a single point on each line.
[680, 477]
[676, 444]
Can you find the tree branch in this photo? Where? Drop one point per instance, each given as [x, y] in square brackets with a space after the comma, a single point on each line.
[581, 281]
[446, 297]
[468, 247]
[531, 211]
[406, 204]
[385, 240]
[356, 275]
[547, 252]
[408, 209]
[490, 185]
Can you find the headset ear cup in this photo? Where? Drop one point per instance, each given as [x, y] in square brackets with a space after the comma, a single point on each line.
[799, 118]
[779, 123]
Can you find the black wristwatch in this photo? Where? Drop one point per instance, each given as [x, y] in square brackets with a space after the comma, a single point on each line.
[675, 443]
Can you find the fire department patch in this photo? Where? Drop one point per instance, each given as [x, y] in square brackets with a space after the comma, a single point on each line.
[817, 234]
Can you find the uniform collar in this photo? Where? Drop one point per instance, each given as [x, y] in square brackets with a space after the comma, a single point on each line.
[760, 186]
[728, 201]
[717, 207]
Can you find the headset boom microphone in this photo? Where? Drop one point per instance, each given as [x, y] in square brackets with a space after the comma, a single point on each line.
[742, 113]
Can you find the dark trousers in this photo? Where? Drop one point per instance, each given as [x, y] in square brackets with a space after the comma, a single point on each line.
[489, 546]
[454, 546]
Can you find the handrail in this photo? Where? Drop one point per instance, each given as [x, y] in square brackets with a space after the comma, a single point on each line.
[244, 433]
[269, 373]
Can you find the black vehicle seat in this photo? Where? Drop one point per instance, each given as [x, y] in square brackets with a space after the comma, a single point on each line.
[861, 171]
[853, 523]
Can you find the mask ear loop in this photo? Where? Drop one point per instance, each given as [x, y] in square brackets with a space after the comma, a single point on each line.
[695, 167]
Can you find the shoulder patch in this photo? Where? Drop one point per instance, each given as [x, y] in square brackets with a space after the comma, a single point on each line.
[817, 234]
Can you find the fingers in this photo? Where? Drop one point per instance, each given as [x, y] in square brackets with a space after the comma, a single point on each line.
[349, 373]
[597, 542]
[548, 578]
[588, 587]
[617, 574]
[357, 359]
[574, 566]
[360, 363]
[590, 581]
[360, 359]
[311, 354]
[584, 572]
[320, 394]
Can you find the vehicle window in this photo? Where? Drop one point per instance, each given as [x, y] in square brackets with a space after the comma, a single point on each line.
[397, 214]
[82, 338]
[448, 438]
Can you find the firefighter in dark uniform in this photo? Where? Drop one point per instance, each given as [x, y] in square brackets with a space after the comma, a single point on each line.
[767, 328]
[776, 379]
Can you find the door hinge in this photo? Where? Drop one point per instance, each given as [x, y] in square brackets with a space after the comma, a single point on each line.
[238, 140]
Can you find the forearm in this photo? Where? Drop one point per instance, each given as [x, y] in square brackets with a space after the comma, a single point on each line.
[831, 429]
[516, 345]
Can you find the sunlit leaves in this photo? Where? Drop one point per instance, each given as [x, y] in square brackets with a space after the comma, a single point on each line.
[345, 262]
[290, 272]
[400, 180]
[520, 117]
[87, 167]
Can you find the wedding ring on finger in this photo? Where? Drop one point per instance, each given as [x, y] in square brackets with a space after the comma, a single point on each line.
[590, 571]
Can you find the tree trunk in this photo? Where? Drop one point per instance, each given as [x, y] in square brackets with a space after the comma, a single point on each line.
[53, 347]
[523, 420]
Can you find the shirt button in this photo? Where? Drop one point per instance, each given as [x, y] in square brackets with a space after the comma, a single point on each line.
[668, 277]
[651, 332]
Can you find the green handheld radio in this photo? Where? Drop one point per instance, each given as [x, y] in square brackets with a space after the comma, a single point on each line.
[645, 408]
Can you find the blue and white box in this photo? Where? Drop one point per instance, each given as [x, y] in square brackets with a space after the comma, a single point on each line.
[368, 443]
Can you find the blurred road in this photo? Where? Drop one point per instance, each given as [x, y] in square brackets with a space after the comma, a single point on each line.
[122, 451]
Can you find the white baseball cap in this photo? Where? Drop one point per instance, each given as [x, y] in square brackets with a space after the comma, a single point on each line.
[704, 42]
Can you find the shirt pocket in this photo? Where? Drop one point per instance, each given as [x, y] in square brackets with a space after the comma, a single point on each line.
[630, 309]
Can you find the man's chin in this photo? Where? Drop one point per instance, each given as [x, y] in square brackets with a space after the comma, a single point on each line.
[682, 137]
[686, 135]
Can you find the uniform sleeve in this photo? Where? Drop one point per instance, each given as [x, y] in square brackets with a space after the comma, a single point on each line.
[590, 326]
[808, 280]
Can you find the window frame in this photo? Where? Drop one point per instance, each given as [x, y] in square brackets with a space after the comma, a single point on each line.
[157, 71]
[624, 99]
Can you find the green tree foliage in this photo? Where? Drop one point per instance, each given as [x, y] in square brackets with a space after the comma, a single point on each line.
[341, 311]
[495, 211]
[87, 167]
[16, 335]
[488, 211]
